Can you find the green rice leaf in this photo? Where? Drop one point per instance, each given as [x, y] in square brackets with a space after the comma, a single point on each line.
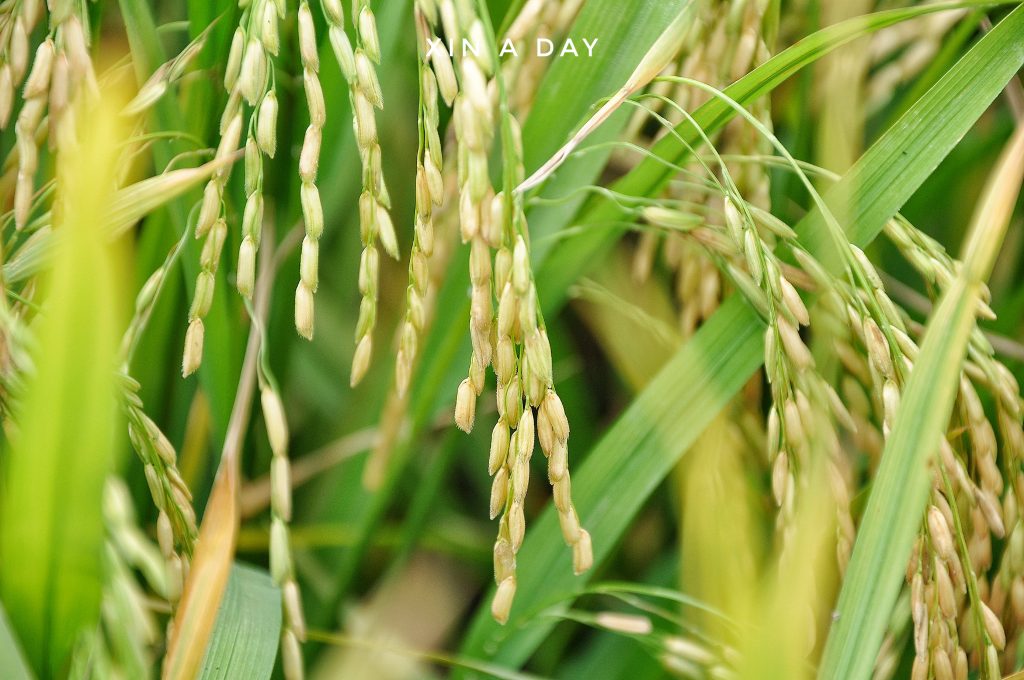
[57, 460]
[12, 659]
[245, 635]
[636, 454]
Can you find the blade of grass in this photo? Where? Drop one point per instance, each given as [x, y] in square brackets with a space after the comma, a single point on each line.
[12, 659]
[952, 45]
[648, 439]
[204, 94]
[51, 525]
[900, 489]
[244, 639]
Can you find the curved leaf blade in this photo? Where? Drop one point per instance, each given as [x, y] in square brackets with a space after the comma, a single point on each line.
[245, 636]
[12, 659]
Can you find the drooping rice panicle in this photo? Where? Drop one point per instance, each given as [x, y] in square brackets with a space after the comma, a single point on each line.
[375, 225]
[430, 193]
[952, 552]
[473, 119]
[60, 68]
[31, 115]
[474, 129]
[133, 648]
[309, 161]
[282, 568]
[211, 225]
[990, 507]
[245, 75]
[794, 429]
[248, 79]
[728, 41]
[18, 20]
[973, 502]
[868, 307]
[176, 517]
[255, 83]
[939, 270]
[522, 365]
[529, 409]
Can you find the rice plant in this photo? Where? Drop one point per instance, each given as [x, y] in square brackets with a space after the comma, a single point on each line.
[294, 291]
